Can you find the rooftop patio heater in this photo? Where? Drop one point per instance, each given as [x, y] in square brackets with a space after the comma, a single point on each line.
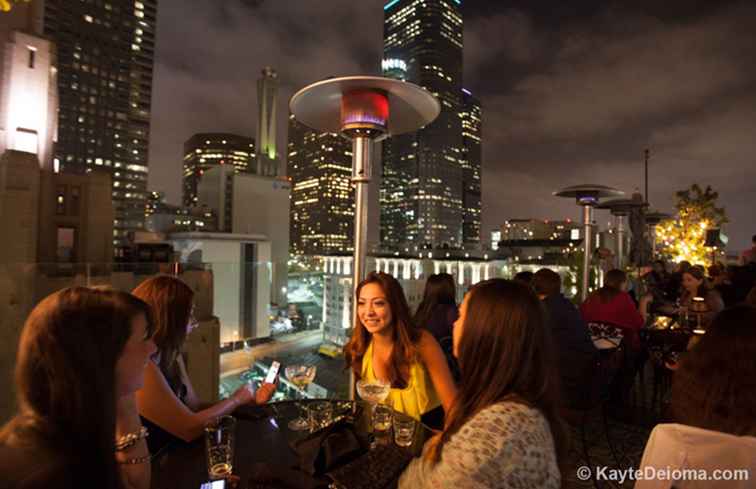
[620, 209]
[588, 197]
[363, 109]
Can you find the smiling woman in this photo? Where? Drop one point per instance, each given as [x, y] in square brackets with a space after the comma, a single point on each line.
[387, 346]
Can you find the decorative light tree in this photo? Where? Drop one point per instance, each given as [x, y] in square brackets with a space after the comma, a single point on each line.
[683, 237]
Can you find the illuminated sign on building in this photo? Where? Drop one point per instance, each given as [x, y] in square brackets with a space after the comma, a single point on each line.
[393, 64]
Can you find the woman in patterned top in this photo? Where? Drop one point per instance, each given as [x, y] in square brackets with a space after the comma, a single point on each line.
[503, 430]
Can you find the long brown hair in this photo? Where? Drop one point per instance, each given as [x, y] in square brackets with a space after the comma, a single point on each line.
[505, 353]
[405, 335]
[715, 386]
[439, 289]
[66, 378]
[698, 273]
[613, 281]
[171, 300]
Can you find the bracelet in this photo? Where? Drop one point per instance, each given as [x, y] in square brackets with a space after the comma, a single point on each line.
[135, 460]
[130, 439]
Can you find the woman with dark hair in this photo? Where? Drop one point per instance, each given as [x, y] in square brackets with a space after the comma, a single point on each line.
[713, 402]
[438, 310]
[611, 304]
[715, 385]
[386, 345]
[167, 402]
[81, 358]
[694, 285]
[503, 430]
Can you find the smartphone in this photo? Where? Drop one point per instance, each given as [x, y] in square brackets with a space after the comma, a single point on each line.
[219, 484]
[272, 374]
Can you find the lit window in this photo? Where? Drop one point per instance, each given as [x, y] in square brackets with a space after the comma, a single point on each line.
[32, 55]
[88, 18]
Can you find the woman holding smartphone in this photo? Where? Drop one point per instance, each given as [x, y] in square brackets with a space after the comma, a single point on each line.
[169, 407]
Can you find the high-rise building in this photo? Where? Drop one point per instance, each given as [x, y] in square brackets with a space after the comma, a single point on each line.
[248, 204]
[267, 97]
[105, 67]
[28, 95]
[471, 161]
[322, 194]
[422, 190]
[162, 217]
[206, 150]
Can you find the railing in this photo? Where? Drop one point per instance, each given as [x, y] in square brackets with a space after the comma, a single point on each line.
[249, 316]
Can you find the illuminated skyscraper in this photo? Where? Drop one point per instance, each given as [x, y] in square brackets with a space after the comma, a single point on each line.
[422, 190]
[471, 160]
[322, 197]
[206, 150]
[28, 85]
[105, 57]
[267, 96]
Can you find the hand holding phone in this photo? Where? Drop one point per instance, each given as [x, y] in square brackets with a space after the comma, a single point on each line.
[273, 373]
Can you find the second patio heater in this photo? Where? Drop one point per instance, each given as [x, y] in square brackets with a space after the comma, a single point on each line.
[588, 197]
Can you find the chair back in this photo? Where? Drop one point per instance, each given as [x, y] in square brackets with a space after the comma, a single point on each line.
[604, 335]
[689, 452]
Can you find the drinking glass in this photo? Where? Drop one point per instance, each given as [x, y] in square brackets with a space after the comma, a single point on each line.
[219, 445]
[300, 376]
[382, 419]
[404, 429]
[373, 392]
[320, 414]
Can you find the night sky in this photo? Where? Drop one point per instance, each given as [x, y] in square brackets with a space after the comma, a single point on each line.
[572, 92]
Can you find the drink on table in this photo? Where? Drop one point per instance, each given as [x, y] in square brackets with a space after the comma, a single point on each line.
[301, 376]
[404, 429]
[219, 444]
[373, 392]
[382, 418]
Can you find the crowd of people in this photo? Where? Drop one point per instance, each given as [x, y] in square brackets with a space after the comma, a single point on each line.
[102, 386]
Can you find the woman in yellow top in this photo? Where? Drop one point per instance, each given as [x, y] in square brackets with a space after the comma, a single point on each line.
[386, 345]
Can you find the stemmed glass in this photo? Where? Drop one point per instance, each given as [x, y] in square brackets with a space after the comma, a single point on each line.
[300, 376]
[373, 392]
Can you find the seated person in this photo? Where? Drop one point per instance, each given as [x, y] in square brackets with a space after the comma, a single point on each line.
[386, 345]
[694, 285]
[713, 402]
[437, 313]
[438, 309]
[715, 385]
[81, 358]
[167, 403]
[503, 430]
[612, 305]
[572, 339]
[525, 277]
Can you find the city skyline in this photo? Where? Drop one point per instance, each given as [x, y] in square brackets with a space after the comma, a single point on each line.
[570, 96]
[421, 199]
[105, 55]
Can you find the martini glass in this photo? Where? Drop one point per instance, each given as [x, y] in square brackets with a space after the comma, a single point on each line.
[373, 392]
[300, 376]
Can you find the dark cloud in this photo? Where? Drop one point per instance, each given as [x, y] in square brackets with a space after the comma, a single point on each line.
[569, 96]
